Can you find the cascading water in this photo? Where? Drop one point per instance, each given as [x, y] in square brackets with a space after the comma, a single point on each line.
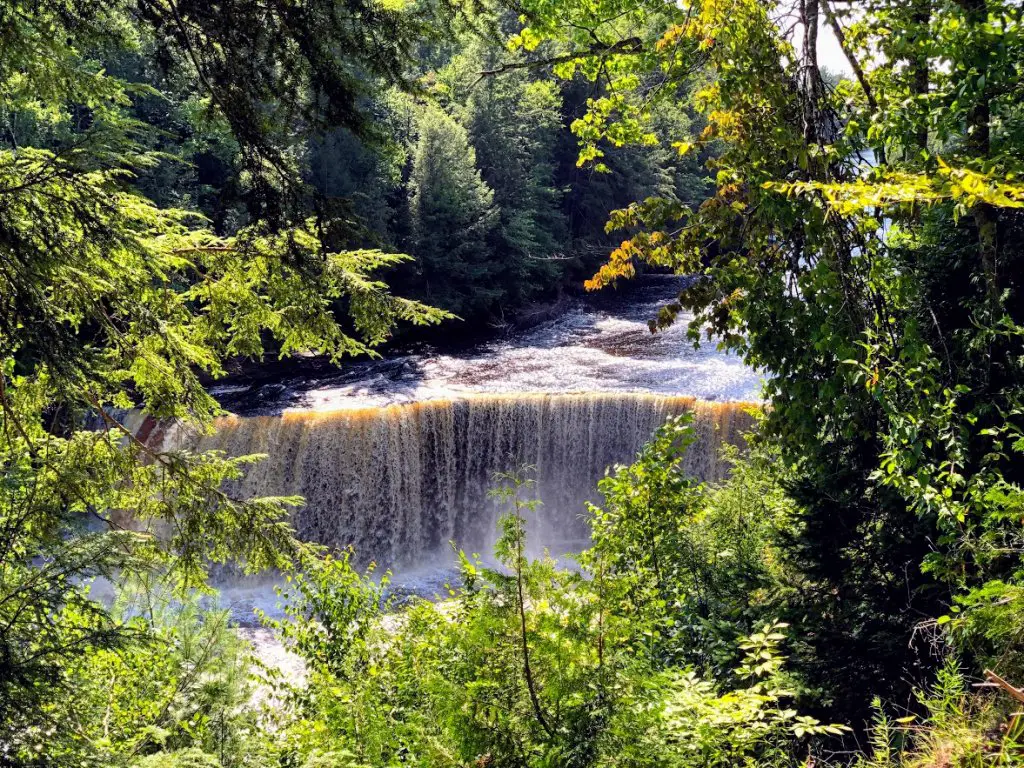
[399, 483]
[395, 457]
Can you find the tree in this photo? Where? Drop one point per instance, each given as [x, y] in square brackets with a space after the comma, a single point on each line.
[514, 126]
[453, 215]
[109, 301]
[359, 180]
[883, 297]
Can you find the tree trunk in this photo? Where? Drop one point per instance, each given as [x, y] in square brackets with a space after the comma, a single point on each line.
[811, 75]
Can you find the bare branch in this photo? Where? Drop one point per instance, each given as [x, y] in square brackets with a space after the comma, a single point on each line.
[1014, 692]
[628, 47]
[858, 71]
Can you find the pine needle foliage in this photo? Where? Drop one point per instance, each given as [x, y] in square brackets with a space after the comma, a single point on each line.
[109, 301]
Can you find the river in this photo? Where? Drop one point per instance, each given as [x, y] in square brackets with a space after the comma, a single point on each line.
[601, 343]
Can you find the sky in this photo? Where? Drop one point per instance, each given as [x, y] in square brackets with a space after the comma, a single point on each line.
[830, 55]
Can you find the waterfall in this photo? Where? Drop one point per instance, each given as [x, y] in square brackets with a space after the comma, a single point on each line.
[399, 483]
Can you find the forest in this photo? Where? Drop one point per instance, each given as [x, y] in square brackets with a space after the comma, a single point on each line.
[190, 189]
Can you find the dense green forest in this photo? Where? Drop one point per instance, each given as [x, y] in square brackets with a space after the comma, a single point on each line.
[476, 178]
[186, 183]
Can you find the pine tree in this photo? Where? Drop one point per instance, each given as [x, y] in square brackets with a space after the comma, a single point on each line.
[453, 215]
[111, 300]
[358, 181]
[514, 124]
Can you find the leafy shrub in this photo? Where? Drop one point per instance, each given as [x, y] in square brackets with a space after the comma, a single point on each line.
[534, 664]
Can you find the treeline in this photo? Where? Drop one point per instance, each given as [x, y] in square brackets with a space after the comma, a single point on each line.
[474, 175]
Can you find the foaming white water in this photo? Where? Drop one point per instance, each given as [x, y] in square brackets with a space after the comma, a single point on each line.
[600, 344]
[400, 483]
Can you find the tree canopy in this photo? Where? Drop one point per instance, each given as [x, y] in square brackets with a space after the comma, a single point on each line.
[110, 301]
[861, 244]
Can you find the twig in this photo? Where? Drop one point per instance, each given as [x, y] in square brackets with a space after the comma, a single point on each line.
[1016, 693]
[206, 249]
[629, 46]
[837, 30]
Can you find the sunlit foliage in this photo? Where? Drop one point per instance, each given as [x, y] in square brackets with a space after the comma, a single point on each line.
[863, 245]
[109, 301]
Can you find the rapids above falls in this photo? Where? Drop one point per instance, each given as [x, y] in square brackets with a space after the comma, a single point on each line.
[600, 343]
